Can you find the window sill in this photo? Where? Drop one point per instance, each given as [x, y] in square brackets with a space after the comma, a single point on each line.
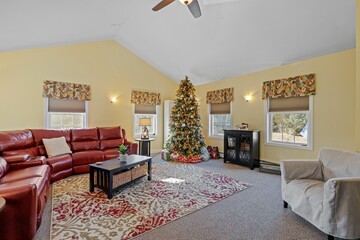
[286, 145]
[216, 136]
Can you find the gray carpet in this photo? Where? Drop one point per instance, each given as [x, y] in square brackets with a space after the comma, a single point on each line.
[255, 213]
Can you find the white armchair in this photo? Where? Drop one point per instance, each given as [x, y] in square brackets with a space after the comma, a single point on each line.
[325, 192]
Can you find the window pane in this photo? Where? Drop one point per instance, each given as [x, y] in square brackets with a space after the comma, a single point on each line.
[66, 120]
[289, 128]
[152, 128]
[219, 123]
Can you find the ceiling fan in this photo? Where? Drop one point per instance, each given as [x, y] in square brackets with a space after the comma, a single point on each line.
[193, 6]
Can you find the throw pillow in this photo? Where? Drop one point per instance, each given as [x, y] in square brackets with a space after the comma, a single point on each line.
[56, 146]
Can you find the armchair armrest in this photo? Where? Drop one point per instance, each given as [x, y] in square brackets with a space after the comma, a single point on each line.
[132, 147]
[341, 207]
[300, 169]
[18, 217]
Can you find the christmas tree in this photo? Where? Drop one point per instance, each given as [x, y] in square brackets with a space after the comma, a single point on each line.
[185, 138]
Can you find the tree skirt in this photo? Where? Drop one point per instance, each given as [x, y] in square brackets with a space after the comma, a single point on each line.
[175, 191]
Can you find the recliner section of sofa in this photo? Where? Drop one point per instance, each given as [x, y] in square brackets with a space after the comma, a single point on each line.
[25, 191]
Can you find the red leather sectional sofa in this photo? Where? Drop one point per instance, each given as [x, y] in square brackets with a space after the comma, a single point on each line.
[26, 171]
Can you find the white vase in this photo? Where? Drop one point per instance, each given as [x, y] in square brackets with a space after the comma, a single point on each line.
[122, 157]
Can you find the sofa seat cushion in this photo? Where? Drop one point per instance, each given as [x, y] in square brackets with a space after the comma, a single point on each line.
[26, 173]
[112, 143]
[85, 146]
[87, 157]
[111, 153]
[40, 183]
[306, 198]
[59, 163]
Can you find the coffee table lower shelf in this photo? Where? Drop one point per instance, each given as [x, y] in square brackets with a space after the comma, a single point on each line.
[111, 175]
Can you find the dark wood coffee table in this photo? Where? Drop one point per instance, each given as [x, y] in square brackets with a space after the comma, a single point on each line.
[103, 175]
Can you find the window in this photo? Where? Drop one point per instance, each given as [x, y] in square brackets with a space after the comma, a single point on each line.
[65, 114]
[219, 118]
[145, 111]
[289, 122]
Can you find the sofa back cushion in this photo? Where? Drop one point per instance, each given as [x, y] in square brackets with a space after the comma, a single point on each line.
[84, 139]
[338, 163]
[17, 139]
[107, 133]
[88, 134]
[4, 167]
[40, 134]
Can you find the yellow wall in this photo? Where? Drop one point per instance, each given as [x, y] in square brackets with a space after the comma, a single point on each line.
[358, 75]
[109, 68]
[334, 103]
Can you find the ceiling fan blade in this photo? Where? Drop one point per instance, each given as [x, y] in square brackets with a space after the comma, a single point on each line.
[195, 8]
[162, 4]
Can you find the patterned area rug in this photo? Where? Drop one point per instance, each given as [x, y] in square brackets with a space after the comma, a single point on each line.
[175, 191]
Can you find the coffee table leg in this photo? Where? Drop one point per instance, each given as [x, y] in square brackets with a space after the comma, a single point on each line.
[91, 179]
[109, 187]
[149, 169]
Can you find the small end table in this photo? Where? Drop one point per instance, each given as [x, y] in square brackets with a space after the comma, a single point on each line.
[144, 146]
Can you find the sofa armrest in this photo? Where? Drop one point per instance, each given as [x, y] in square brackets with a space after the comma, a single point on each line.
[19, 216]
[132, 147]
[300, 169]
[341, 207]
[35, 161]
[16, 158]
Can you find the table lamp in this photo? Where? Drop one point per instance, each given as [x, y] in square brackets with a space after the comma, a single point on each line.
[144, 122]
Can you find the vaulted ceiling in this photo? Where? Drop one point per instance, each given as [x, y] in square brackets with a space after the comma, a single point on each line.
[231, 38]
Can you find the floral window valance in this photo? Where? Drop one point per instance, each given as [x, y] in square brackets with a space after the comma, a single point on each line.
[63, 90]
[220, 96]
[139, 97]
[298, 86]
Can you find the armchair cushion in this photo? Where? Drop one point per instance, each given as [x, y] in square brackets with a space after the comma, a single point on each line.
[338, 163]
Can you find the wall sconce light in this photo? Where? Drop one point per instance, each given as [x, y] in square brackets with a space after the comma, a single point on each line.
[247, 98]
[113, 99]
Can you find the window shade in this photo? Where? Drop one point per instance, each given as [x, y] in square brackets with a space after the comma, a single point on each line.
[145, 109]
[289, 104]
[65, 105]
[220, 108]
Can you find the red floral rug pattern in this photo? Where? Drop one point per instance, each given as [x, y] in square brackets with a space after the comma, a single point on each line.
[175, 191]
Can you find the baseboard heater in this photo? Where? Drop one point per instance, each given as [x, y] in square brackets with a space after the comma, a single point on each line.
[269, 167]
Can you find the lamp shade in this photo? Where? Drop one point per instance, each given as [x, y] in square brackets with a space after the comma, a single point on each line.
[144, 122]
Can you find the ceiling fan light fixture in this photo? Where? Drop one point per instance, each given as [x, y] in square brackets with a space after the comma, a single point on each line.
[186, 2]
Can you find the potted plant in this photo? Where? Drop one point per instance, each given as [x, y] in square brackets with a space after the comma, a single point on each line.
[122, 152]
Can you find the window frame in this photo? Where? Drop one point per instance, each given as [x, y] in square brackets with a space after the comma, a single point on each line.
[210, 122]
[47, 114]
[156, 129]
[268, 127]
